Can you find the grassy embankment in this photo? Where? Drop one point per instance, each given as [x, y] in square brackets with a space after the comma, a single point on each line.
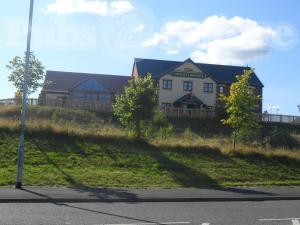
[79, 148]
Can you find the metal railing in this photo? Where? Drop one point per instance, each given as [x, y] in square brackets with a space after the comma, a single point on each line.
[18, 101]
[276, 118]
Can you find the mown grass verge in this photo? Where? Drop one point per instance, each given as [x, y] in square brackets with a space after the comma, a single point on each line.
[70, 153]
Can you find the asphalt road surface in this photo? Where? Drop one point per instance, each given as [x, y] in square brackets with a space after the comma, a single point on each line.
[200, 213]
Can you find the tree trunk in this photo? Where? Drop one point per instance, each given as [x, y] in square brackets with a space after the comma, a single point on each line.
[138, 130]
[234, 140]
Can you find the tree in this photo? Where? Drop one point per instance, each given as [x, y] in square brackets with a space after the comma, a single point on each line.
[241, 106]
[35, 76]
[137, 106]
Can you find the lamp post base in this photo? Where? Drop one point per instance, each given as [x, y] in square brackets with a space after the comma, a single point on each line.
[19, 185]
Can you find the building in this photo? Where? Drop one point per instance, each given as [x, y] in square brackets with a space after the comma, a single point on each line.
[192, 85]
[182, 85]
[80, 89]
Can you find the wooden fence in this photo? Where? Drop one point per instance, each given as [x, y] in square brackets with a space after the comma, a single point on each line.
[171, 112]
[75, 104]
[97, 106]
[189, 113]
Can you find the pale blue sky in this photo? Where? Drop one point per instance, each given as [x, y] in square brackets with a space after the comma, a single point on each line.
[103, 36]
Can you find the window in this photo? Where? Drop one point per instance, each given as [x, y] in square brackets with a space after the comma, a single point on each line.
[166, 105]
[78, 95]
[90, 96]
[91, 85]
[187, 85]
[167, 84]
[221, 89]
[105, 98]
[208, 87]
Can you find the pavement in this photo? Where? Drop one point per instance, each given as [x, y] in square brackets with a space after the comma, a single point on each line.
[77, 194]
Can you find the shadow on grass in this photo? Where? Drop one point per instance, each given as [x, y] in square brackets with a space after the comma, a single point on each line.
[183, 174]
[66, 176]
[202, 127]
[59, 145]
[101, 193]
[287, 164]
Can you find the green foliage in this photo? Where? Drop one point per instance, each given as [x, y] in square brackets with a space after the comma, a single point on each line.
[289, 127]
[249, 136]
[187, 134]
[281, 138]
[241, 106]
[57, 115]
[138, 106]
[160, 120]
[35, 76]
[165, 132]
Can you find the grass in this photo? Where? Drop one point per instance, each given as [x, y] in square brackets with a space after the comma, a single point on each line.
[80, 148]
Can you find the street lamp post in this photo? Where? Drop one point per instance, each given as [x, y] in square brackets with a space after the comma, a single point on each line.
[23, 112]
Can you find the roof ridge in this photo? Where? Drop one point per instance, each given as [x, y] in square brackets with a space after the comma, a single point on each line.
[213, 64]
[159, 60]
[83, 73]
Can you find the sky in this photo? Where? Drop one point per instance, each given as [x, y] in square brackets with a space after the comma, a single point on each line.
[104, 36]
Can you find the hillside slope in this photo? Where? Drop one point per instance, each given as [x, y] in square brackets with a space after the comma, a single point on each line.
[75, 152]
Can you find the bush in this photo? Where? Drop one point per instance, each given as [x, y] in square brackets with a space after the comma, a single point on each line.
[188, 134]
[136, 108]
[159, 119]
[165, 132]
[281, 138]
[250, 136]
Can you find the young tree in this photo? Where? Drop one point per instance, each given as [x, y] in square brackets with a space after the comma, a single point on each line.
[137, 107]
[35, 76]
[241, 107]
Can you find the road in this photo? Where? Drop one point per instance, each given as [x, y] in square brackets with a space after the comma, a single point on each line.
[200, 213]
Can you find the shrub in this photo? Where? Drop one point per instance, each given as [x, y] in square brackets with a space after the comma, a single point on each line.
[159, 119]
[248, 136]
[187, 134]
[281, 138]
[136, 108]
[165, 132]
